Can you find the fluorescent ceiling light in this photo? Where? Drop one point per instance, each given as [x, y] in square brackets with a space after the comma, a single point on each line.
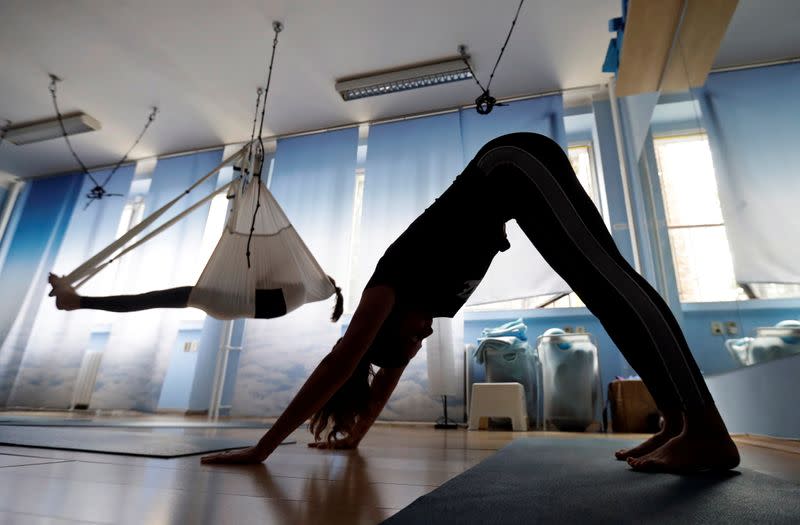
[429, 74]
[50, 129]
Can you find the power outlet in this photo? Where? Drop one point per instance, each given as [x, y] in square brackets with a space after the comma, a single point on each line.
[716, 328]
[731, 328]
[567, 329]
[580, 329]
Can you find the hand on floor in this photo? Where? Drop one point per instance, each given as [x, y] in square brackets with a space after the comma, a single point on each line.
[347, 443]
[242, 456]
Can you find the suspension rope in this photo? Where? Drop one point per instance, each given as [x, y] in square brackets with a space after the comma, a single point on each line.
[277, 27]
[150, 118]
[485, 102]
[259, 91]
[462, 50]
[53, 81]
[98, 191]
[251, 156]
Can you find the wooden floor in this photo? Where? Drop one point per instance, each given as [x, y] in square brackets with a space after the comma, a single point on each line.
[394, 465]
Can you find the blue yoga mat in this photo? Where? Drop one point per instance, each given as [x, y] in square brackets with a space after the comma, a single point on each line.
[540, 480]
[27, 421]
[115, 441]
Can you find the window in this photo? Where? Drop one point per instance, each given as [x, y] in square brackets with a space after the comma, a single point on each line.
[355, 235]
[773, 290]
[9, 192]
[132, 214]
[700, 249]
[580, 156]
[352, 298]
[98, 339]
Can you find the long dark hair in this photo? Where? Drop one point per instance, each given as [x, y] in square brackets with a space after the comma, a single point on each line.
[339, 415]
[339, 306]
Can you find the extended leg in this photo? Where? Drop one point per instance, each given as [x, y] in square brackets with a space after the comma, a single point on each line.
[560, 220]
[68, 299]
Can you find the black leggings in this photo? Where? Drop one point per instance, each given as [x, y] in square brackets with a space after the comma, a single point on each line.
[171, 298]
[554, 211]
[268, 303]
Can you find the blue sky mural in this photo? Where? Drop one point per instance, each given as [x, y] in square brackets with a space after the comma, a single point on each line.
[47, 205]
[41, 357]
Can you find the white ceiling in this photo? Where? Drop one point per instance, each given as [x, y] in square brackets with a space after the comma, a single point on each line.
[201, 60]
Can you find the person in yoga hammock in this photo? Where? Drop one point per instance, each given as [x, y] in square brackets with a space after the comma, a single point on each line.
[269, 303]
[432, 268]
[281, 272]
[259, 269]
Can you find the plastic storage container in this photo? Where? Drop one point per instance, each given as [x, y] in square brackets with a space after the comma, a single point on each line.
[510, 359]
[768, 344]
[570, 380]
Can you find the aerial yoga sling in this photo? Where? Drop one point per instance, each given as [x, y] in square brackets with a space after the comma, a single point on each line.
[260, 268]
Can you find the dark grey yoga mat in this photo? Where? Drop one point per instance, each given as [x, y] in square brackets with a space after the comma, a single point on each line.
[538, 480]
[123, 423]
[116, 441]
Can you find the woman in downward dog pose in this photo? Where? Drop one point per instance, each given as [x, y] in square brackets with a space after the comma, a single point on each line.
[434, 266]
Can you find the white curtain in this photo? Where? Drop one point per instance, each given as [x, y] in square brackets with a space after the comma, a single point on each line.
[409, 164]
[753, 128]
[445, 356]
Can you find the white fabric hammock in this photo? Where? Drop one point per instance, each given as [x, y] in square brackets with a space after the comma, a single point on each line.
[279, 259]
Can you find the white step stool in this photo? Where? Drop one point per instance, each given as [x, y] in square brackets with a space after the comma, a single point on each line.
[498, 400]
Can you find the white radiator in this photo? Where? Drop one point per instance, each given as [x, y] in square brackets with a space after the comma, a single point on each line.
[84, 385]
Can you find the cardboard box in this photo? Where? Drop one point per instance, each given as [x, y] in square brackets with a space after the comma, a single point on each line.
[632, 408]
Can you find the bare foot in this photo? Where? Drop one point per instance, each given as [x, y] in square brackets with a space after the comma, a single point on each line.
[66, 296]
[699, 447]
[673, 425]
